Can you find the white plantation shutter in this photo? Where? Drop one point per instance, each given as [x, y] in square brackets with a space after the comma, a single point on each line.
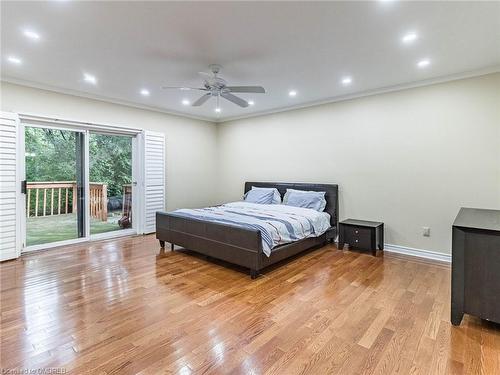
[154, 178]
[10, 196]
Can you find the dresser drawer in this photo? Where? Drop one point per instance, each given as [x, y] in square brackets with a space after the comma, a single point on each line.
[358, 237]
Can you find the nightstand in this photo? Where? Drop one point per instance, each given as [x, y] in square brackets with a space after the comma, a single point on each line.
[362, 234]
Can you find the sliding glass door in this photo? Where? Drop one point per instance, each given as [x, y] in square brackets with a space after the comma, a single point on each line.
[55, 185]
[110, 188]
[79, 185]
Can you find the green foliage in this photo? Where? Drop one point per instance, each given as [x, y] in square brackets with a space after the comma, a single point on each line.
[51, 156]
[111, 161]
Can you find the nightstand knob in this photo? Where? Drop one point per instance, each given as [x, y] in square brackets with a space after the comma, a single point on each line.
[356, 241]
[357, 231]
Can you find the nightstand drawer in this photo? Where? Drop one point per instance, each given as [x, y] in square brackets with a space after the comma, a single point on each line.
[358, 237]
[358, 232]
[362, 242]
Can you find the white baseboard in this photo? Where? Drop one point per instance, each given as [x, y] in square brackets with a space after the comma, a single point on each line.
[8, 255]
[420, 253]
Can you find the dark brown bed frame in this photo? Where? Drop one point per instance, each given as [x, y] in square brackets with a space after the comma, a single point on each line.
[243, 246]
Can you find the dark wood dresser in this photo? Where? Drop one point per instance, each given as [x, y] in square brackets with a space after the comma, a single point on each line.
[475, 276]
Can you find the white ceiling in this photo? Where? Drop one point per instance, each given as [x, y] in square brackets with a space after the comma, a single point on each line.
[304, 46]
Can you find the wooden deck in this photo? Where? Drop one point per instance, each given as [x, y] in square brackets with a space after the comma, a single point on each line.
[123, 307]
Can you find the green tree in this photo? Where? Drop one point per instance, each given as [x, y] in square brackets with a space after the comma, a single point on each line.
[111, 161]
[51, 156]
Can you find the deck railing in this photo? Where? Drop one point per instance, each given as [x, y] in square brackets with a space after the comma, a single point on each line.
[59, 197]
[99, 201]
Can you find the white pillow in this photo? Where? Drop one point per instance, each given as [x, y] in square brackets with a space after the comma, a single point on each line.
[276, 193]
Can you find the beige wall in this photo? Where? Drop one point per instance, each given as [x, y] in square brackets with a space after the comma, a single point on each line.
[409, 158]
[191, 144]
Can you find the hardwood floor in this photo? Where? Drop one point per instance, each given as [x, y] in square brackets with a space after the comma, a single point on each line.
[124, 307]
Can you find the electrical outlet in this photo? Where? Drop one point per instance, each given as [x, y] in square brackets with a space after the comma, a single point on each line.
[426, 231]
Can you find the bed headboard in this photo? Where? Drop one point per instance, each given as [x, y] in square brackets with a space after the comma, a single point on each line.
[331, 196]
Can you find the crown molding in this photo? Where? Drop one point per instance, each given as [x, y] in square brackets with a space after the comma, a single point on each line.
[106, 99]
[378, 91]
[361, 94]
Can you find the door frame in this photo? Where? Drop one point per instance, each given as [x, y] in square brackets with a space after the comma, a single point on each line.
[20, 197]
[86, 129]
[22, 157]
[135, 177]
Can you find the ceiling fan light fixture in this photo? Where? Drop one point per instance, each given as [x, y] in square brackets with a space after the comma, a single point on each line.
[216, 86]
[251, 102]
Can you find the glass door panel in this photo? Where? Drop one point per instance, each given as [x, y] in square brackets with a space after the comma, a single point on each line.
[54, 185]
[110, 186]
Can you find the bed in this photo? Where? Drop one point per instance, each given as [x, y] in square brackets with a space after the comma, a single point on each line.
[243, 246]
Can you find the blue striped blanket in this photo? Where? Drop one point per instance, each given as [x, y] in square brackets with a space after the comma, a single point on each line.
[277, 223]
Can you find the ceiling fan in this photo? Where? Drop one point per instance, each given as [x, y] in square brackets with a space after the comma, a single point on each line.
[217, 87]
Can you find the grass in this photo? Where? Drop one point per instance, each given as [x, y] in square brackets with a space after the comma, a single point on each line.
[46, 229]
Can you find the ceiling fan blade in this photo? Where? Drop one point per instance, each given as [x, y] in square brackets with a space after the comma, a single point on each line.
[183, 88]
[202, 100]
[251, 89]
[234, 99]
[206, 75]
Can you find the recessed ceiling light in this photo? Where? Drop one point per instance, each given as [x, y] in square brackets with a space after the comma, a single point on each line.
[292, 93]
[251, 102]
[14, 60]
[185, 102]
[31, 34]
[423, 63]
[410, 37]
[217, 110]
[89, 78]
[145, 92]
[346, 81]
